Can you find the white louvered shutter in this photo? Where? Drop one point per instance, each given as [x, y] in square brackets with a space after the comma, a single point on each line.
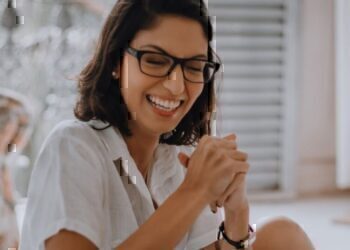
[252, 39]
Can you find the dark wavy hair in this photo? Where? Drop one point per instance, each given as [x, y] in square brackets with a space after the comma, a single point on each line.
[99, 93]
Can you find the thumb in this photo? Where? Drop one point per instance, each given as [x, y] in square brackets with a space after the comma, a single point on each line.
[183, 158]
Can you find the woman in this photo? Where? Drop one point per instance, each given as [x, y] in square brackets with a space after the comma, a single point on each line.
[114, 180]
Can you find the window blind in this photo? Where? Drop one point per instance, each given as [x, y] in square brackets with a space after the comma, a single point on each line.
[251, 37]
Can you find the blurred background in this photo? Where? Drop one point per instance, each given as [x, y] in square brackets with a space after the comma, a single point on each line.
[285, 92]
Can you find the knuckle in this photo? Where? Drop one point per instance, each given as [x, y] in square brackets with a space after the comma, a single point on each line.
[222, 154]
[204, 139]
[242, 155]
[231, 136]
[239, 166]
[244, 167]
[211, 148]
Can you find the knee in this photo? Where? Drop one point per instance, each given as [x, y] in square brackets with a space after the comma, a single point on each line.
[281, 233]
[280, 224]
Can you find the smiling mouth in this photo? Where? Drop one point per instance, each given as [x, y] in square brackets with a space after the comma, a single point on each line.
[164, 105]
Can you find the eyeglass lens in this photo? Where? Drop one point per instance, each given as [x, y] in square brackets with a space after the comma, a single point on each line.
[159, 65]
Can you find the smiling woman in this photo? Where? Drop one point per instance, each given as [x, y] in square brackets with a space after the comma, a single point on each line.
[159, 30]
[139, 168]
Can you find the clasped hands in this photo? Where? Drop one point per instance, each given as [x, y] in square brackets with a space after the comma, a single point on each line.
[218, 168]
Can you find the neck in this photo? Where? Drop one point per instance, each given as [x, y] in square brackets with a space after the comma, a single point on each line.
[142, 147]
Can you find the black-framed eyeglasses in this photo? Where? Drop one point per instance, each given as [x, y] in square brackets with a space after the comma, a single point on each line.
[158, 64]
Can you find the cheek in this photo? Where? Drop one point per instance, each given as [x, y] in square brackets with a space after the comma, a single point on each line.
[194, 92]
[124, 74]
[134, 87]
[127, 82]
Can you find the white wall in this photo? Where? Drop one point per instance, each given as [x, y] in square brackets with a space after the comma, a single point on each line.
[316, 107]
[343, 92]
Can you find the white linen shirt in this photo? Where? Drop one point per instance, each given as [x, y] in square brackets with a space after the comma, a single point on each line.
[85, 180]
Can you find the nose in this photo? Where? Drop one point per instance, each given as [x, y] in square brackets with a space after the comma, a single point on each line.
[176, 82]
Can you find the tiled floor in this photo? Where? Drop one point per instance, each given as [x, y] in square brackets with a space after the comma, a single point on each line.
[315, 215]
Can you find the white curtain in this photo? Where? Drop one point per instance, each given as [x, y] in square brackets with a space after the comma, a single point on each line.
[343, 92]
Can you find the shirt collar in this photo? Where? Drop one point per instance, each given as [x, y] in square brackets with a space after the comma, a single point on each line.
[163, 168]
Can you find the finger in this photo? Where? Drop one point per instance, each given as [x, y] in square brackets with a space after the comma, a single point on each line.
[213, 207]
[239, 167]
[226, 144]
[184, 159]
[230, 137]
[237, 181]
[220, 143]
[239, 156]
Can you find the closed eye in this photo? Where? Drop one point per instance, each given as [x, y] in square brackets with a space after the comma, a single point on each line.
[194, 69]
[156, 62]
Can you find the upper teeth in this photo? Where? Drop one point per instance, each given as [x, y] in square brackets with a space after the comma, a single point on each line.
[165, 103]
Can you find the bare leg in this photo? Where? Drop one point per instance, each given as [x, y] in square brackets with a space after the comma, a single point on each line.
[281, 234]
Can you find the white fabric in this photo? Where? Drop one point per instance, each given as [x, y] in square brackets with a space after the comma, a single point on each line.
[75, 186]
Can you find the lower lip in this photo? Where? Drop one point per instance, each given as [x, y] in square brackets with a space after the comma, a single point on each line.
[163, 112]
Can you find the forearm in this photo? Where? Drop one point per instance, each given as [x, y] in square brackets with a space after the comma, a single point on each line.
[168, 225]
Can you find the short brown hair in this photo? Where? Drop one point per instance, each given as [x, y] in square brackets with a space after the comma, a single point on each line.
[100, 95]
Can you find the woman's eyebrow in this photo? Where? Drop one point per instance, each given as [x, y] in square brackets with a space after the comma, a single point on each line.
[200, 56]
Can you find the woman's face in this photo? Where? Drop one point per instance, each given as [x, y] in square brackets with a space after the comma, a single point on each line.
[177, 36]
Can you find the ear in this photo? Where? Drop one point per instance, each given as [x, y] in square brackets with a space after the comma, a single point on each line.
[184, 159]
[116, 71]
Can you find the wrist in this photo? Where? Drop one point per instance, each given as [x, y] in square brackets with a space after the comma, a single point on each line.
[245, 243]
[237, 212]
[237, 223]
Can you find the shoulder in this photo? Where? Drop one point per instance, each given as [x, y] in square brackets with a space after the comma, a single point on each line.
[74, 137]
[70, 150]
[72, 127]
[73, 131]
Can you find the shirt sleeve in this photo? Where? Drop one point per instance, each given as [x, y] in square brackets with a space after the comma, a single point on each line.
[66, 188]
[205, 229]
